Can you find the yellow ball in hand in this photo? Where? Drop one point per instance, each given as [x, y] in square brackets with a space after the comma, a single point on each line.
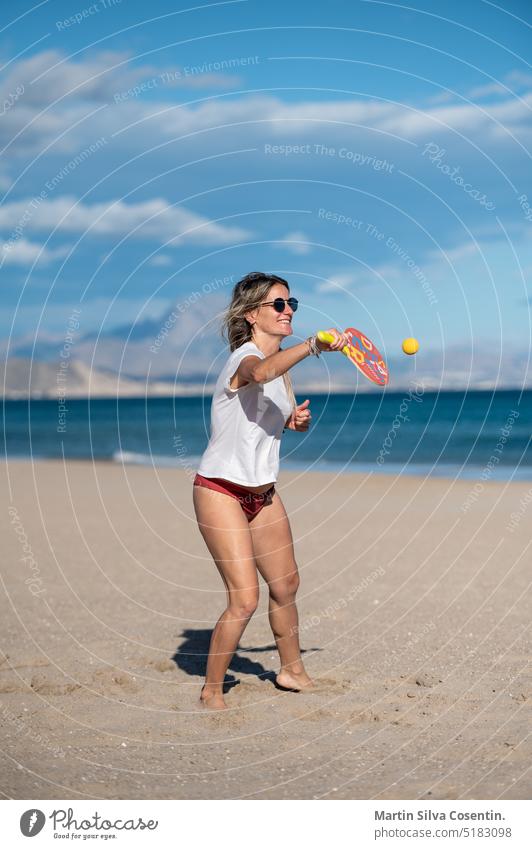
[410, 345]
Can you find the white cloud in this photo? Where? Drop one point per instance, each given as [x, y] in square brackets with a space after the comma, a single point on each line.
[457, 252]
[291, 118]
[442, 97]
[91, 84]
[486, 90]
[23, 252]
[513, 80]
[57, 93]
[519, 78]
[341, 282]
[297, 242]
[347, 279]
[155, 219]
[463, 117]
[50, 75]
[160, 260]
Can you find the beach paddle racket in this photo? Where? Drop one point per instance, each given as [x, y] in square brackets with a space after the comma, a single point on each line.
[363, 354]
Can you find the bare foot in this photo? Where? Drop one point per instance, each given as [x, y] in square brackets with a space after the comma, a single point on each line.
[298, 681]
[212, 701]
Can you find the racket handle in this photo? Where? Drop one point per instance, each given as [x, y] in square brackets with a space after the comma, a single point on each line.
[323, 336]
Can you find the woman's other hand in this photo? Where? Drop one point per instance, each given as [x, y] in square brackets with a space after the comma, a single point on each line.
[300, 418]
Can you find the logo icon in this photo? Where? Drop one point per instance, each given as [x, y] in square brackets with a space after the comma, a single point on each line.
[32, 822]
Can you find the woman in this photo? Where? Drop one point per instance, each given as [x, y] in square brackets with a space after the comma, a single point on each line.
[240, 515]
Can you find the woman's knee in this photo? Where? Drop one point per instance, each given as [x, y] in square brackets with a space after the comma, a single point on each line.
[284, 590]
[243, 606]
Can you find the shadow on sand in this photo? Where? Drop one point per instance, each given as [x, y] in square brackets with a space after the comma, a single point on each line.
[191, 657]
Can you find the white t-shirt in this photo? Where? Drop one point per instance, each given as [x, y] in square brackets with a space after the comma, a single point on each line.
[246, 426]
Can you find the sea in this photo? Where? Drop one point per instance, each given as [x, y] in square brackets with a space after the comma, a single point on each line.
[484, 435]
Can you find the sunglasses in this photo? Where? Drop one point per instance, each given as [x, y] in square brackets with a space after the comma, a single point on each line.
[279, 303]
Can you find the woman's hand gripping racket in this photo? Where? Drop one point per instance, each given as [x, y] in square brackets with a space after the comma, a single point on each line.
[362, 353]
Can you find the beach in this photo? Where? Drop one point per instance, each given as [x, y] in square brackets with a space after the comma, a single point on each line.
[414, 609]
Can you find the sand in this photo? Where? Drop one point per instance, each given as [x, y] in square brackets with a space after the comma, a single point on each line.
[414, 610]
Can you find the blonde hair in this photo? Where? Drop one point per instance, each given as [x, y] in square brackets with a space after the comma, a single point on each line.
[248, 293]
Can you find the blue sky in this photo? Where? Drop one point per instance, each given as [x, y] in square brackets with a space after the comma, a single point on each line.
[375, 154]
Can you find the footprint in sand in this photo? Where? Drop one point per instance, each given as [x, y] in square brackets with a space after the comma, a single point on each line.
[24, 664]
[331, 685]
[10, 681]
[364, 717]
[387, 714]
[163, 665]
[230, 718]
[109, 680]
[47, 687]
[11, 684]
[427, 679]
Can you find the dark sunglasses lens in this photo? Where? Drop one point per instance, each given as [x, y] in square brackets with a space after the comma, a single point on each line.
[279, 303]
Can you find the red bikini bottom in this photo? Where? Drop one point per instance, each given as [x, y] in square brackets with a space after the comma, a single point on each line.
[251, 502]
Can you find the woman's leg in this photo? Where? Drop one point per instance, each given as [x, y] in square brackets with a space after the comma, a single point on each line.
[274, 555]
[225, 529]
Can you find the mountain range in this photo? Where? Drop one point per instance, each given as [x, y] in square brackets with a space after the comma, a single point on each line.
[182, 352]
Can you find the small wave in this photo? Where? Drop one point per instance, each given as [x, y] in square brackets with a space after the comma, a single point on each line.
[159, 460]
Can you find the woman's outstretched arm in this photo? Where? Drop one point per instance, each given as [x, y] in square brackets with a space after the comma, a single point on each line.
[254, 370]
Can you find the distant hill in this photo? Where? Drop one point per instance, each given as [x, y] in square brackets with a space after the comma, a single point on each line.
[184, 344]
[26, 378]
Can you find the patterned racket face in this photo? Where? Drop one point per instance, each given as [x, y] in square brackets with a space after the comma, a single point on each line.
[366, 357]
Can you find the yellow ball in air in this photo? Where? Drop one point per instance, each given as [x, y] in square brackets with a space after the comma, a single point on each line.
[410, 345]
